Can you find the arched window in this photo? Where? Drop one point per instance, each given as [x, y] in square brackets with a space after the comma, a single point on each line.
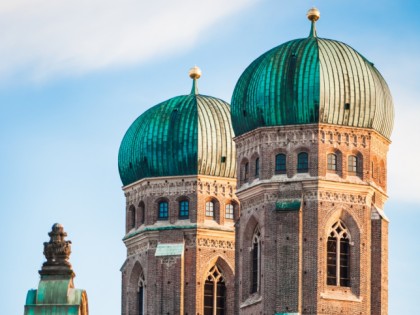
[246, 171]
[302, 162]
[256, 261]
[210, 209]
[229, 211]
[257, 167]
[352, 164]
[184, 209]
[141, 213]
[332, 162]
[131, 218]
[163, 210]
[338, 256]
[280, 167]
[140, 296]
[214, 293]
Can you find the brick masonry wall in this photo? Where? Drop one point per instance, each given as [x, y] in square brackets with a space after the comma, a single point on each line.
[293, 276]
[175, 284]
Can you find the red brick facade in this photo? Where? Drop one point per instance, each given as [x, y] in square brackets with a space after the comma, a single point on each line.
[293, 262]
[174, 284]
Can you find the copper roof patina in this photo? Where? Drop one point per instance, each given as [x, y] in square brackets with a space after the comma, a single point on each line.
[185, 135]
[312, 80]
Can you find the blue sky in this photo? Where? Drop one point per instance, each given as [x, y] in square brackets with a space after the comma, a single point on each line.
[75, 75]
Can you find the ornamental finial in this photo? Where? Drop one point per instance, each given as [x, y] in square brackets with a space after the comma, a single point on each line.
[195, 74]
[57, 252]
[313, 15]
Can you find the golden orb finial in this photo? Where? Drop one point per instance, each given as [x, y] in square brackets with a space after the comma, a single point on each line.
[313, 14]
[195, 72]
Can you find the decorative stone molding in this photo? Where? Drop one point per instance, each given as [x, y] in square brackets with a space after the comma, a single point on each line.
[139, 248]
[335, 197]
[213, 243]
[179, 186]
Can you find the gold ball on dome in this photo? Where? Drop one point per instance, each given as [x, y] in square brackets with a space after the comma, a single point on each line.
[195, 72]
[313, 14]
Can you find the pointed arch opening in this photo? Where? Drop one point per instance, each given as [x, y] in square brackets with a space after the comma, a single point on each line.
[215, 292]
[256, 261]
[137, 290]
[338, 255]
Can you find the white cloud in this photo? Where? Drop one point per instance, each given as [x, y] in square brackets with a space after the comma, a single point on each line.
[75, 36]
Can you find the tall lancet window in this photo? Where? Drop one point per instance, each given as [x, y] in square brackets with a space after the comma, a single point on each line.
[140, 295]
[338, 256]
[215, 293]
[256, 261]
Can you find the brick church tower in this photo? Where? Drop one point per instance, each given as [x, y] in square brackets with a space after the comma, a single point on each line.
[177, 164]
[312, 119]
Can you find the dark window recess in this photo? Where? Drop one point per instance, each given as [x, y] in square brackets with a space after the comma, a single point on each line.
[223, 159]
[302, 164]
[255, 263]
[132, 217]
[257, 167]
[140, 298]
[246, 171]
[280, 167]
[347, 106]
[244, 113]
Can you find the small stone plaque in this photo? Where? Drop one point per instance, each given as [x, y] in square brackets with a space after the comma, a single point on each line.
[169, 249]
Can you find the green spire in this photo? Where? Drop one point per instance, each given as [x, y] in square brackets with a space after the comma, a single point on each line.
[312, 33]
[194, 89]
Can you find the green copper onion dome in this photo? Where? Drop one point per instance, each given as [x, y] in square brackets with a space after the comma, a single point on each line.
[185, 135]
[312, 80]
